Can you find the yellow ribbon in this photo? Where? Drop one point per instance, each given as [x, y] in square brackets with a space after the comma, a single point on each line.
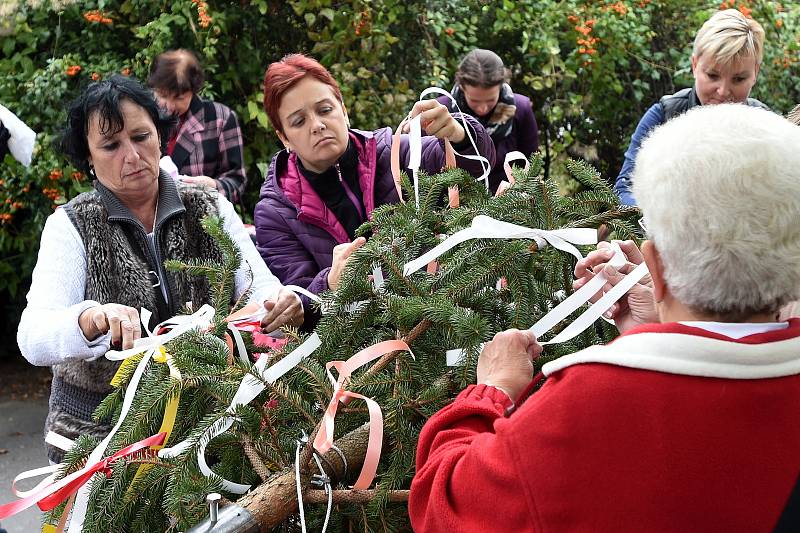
[170, 411]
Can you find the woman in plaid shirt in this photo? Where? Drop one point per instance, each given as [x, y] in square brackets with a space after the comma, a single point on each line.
[206, 146]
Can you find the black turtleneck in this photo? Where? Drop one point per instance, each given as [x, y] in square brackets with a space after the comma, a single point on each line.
[332, 191]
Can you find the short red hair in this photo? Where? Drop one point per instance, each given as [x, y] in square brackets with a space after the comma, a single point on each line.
[284, 74]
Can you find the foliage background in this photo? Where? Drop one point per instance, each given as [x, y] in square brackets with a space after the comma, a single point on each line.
[591, 68]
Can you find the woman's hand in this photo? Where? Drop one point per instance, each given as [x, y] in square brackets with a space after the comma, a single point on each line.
[341, 253]
[285, 309]
[121, 320]
[436, 120]
[200, 180]
[507, 361]
[638, 305]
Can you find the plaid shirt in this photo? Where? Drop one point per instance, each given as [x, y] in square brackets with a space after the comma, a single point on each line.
[210, 144]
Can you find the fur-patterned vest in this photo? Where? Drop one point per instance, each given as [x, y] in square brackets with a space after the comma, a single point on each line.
[125, 267]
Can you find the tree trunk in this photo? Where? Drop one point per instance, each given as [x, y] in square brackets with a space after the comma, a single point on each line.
[276, 499]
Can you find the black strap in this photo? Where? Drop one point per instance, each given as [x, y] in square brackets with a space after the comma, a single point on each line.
[5, 136]
[790, 517]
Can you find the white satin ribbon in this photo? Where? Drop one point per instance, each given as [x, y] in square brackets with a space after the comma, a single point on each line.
[415, 152]
[201, 319]
[179, 324]
[484, 227]
[54, 439]
[415, 144]
[487, 167]
[575, 301]
[377, 278]
[249, 388]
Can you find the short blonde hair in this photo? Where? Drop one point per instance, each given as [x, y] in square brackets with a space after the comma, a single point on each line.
[728, 36]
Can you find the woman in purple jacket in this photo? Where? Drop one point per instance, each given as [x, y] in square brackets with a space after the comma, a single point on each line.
[482, 90]
[329, 178]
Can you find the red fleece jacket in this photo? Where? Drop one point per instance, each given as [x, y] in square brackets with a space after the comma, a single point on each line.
[612, 447]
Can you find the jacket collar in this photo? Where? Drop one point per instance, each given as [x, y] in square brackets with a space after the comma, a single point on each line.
[193, 123]
[685, 350]
[295, 188]
[693, 99]
[169, 203]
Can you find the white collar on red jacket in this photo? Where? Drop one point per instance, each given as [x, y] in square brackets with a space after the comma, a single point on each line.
[681, 349]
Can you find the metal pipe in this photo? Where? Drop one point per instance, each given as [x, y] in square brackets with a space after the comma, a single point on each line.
[232, 518]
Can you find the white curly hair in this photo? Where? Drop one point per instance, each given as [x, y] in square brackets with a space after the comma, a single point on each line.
[720, 191]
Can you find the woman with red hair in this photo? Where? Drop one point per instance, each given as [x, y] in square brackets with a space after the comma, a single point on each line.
[329, 177]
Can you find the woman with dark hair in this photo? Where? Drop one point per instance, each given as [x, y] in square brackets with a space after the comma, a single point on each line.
[330, 177]
[206, 146]
[482, 90]
[102, 254]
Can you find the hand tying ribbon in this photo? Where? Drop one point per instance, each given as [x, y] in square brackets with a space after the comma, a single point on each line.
[50, 496]
[573, 302]
[484, 227]
[415, 151]
[324, 438]
[150, 346]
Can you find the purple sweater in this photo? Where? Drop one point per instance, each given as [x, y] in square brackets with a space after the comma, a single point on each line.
[295, 230]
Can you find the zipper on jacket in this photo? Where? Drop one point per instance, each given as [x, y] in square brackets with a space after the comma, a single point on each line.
[350, 194]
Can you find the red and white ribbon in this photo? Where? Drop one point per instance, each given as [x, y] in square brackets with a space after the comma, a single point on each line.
[148, 345]
[49, 496]
[324, 439]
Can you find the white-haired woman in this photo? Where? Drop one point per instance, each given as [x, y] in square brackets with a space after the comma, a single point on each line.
[726, 58]
[685, 424]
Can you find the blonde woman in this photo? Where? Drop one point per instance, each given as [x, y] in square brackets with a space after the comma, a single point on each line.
[726, 59]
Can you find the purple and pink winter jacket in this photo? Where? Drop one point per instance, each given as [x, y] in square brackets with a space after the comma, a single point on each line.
[295, 230]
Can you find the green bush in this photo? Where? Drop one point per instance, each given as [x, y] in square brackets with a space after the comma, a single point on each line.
[590, 67]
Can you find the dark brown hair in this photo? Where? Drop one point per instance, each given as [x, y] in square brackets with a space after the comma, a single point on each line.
[482, 68]
[105, 98]
[176, 71]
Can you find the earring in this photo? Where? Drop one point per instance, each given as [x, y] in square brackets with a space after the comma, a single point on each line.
[288, 148]
[91, 172]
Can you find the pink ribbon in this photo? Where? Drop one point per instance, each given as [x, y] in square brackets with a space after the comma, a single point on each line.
[324, 438]
[50, 496]
[511, 156]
